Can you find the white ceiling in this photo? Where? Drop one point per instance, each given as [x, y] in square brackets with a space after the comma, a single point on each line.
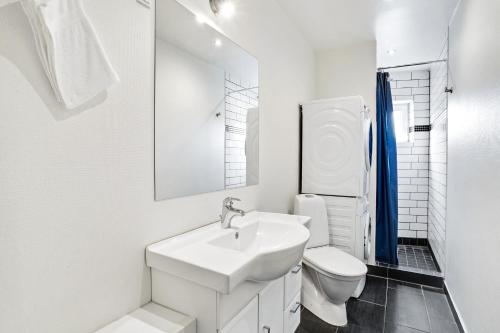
[416, 29]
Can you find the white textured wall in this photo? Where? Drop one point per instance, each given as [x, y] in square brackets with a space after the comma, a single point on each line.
[413, 158]
[473, 231]
[76, 188]
[438, 158]
[350, 71]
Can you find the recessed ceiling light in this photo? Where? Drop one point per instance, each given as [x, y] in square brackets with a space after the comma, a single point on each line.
[391, 51]
[224, 8]
[201, 19]
[218, 42]
[227, 9]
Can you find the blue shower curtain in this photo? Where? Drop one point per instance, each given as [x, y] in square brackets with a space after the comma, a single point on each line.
[387, 177]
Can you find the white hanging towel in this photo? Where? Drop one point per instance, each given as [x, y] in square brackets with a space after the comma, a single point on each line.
[69, 49]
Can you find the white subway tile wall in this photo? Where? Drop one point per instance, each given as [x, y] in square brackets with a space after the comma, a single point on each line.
[240, 96]
[438, 158]
[413, 159]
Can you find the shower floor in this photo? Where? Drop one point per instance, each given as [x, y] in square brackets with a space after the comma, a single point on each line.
[415, 258]
[419, 257]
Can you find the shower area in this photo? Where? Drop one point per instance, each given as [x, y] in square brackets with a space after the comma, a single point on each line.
[420, 103]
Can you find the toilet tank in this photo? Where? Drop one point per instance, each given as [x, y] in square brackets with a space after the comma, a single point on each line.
[314, 206]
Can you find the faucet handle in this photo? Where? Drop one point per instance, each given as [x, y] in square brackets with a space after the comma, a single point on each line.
[228, 202]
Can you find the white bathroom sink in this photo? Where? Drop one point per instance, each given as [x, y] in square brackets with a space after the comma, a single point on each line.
[259, 247]
[276, 246]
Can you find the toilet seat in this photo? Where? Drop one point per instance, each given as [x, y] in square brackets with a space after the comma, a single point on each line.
[334, 262]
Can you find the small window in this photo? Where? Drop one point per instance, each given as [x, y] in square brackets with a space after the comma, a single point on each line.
[403, 121]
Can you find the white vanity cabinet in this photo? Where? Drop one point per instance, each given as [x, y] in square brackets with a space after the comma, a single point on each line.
[291, 305]
[271, 307]
[246, 321]
[209, 273]
[252, 307]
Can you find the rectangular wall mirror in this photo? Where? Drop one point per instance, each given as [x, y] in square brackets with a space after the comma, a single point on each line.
[206, 107]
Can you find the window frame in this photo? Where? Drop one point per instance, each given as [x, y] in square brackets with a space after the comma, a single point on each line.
[411, 120]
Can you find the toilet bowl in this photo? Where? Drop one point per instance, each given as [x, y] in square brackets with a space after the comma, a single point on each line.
[330, 275]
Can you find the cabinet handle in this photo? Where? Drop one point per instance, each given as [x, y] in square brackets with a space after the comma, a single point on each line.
[297, 269]
[267, 329]
[296, 308]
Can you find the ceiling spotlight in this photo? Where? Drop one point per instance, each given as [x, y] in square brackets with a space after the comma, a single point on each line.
[391, 52]
[218, 42]
[225, 8]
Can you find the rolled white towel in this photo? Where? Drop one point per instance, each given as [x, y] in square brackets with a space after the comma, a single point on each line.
[69, 49]
[41, 44]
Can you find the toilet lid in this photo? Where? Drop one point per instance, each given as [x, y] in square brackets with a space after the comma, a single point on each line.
[335, 261]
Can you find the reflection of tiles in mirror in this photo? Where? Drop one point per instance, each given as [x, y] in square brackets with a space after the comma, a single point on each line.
[240, 97]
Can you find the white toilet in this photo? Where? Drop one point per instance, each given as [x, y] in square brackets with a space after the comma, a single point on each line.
[330, 275]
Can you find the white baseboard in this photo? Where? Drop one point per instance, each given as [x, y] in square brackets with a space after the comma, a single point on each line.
[455, 309]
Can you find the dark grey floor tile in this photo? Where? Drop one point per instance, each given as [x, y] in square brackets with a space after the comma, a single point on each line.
[395, 328]
[411, 308]
[309, 323]
[443, 326]
[377, 270]
[404, 286]
[375, 290]
[439, 310]
[363, 317]
[437, 305]
[406, 307]
[358, 329]
[301, 330]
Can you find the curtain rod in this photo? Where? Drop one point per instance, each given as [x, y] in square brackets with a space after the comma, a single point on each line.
[411, 65]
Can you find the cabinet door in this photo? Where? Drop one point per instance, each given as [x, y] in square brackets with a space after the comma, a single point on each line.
[271, 307]
[246, 321]
[293, 283]
[292, 315]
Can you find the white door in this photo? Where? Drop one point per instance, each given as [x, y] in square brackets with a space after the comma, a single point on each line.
[271, 308]
[246, 321]
[333, 155]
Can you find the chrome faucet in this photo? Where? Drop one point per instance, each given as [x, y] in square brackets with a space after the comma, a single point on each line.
[229, 212]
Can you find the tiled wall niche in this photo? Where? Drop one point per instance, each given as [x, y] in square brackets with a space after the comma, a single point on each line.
[413, 159]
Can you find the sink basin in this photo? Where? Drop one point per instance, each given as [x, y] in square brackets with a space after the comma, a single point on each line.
[276, 246]
[259, 247]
